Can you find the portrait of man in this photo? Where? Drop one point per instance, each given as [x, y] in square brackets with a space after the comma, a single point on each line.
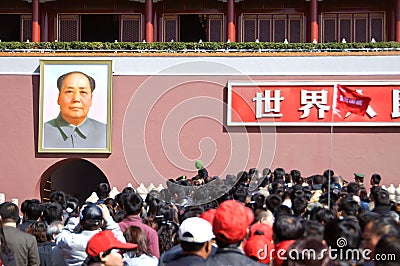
[73, 126]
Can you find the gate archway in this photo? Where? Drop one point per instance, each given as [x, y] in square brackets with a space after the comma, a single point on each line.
[76, 177]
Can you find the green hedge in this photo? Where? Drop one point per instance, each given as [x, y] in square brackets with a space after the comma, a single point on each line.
[182, 47]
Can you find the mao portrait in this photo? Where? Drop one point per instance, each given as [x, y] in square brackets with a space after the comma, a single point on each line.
[74, 117]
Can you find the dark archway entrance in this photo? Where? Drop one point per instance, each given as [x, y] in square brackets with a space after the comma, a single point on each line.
[76, 177]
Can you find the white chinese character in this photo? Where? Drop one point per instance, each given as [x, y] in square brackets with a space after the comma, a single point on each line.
[311, 98]
[396, 103]
[268, 110]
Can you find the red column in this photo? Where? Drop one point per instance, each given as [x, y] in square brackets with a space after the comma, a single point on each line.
[398, 21]
[314, 20]
[149, 21]
[35, 21]
[231, 20]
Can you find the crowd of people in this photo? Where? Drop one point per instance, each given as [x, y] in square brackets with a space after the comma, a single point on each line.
[252, 218]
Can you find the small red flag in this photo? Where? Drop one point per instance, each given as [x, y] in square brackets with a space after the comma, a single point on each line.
[348, 100]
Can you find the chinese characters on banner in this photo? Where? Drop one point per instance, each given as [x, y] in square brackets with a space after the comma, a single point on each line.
[313, 104]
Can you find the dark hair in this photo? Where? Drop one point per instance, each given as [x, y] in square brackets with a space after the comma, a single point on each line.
[353, 188]
[364, 195]
[9, 212]
[60, 197]
[134, 234]
[33, 209]
[327, 173]
[243, 177]
[287, 228]
[273, 202]
[313, 230]
[388, 245]
[103, 190]
[376, 178]
[72, 206]
[52, 212]
[202, 173]
[167, 236]
[296, 177]
[346, 229]
[60, 80]
[382, 198]
[133, 203]
[303, 256]
[317, 179]
[279, 173]
[128, 190]
[349, 206]
[190, 246]
[385, 225]
[299, 205]
[39, 231]
[25, 203]
[325, 215]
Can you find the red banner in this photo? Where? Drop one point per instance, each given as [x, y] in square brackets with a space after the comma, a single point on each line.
[313, 104]
[349, 101]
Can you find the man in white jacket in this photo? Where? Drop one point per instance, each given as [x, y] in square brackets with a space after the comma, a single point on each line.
[73, 239]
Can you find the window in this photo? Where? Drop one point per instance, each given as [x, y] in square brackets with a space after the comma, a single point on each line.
[359, 27]
[272, 27]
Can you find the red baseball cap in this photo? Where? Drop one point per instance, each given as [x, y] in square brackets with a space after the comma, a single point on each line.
[258, 246]
[209, 215]
[264, 228]
[104, 241]
[231, 221]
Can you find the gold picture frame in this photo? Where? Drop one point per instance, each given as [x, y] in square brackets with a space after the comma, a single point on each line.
[75, 101]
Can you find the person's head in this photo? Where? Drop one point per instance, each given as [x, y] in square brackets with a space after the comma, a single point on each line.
[195, 235]
[133, 203]
[287, 228]
[375, 179]
[9, 212]
[103, 190]
[308, 252]
[353, 188]
[134, 234]
[328, 173]
[279, 173]
[33, 210]
[60, 197]
[105, 249]
[346, 229]
[359, 178]
[381, 198]
[299, 205]
[38, 230]
[91, 217]
[75, 96]
[388, 245]
[54, 229]
[228, 230]
[349, 207]
[52, 212]
[375, 229]
[264, 217]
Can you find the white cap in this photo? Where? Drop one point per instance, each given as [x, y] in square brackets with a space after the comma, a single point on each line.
[195, 230]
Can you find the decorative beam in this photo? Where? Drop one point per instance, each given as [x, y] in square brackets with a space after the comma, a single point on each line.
[41, 1]
[144, 1]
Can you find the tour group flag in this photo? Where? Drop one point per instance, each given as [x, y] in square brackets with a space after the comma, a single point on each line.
[347, 100]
